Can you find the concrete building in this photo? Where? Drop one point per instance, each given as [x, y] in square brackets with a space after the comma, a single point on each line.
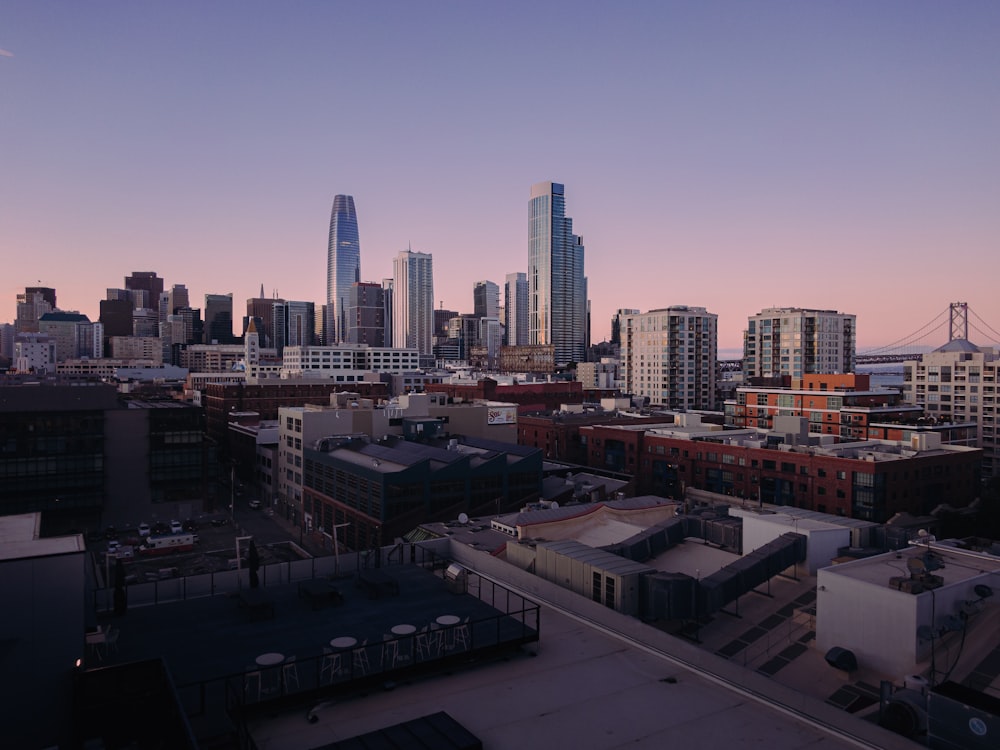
[413, 302]
[72, 333]
[844, 406]
[669, 357]
[958, 383]
[870, 480]
[34, 352]
[516, 309]
[146, 348]
[346, 363]
[909, 611]
[146, 289]
[381, 490]
[795, 341]
[366, 312]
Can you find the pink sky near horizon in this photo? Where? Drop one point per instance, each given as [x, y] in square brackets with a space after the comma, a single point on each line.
[721, 155]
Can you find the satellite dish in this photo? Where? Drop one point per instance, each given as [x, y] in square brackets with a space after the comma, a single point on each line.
[982, 590]
[915, 565]
[925, 633]
[463, 518]
[555, 504]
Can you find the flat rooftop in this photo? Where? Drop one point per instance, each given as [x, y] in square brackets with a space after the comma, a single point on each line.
[957, 567]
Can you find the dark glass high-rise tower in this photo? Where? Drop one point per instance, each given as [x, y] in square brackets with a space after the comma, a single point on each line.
[343, 266]
[557, 287]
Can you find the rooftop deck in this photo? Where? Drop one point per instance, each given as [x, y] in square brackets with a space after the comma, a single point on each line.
[298, 641]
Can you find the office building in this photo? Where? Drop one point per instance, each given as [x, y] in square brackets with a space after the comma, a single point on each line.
[515, 309]
[557, 287]
[146, 289]
[794, 341]
[343, 266]
[31, 306]
[260, 310]
[486, 299]
[669, 356]
[219, 319]
[413, 302]
[366, 314]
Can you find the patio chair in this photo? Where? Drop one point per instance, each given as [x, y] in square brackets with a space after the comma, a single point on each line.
[289, 674]
[390, 651]
[361, 658]
[427, 641]
[331, 665]
[462, 634]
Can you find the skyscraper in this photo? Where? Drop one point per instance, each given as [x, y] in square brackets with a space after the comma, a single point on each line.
[219, 318]
[343, 266]
[486, 299]
[146, 288]
[413, 302]
[557, 288]
[516, 309]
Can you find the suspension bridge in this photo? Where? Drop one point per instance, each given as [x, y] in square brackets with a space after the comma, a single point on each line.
[950, 324]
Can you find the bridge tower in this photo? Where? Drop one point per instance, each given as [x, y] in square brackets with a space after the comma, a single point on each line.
[959, 315]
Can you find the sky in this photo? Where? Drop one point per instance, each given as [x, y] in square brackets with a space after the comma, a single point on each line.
[728, 155]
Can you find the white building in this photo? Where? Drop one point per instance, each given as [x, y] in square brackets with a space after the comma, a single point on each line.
[958, 383]
[347, 363]
[137, 347]
[34, 351]
[413, 302]
[669, 356]
[795, 341]
[903, 612]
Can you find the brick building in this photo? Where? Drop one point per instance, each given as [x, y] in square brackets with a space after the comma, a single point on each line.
[870, 480]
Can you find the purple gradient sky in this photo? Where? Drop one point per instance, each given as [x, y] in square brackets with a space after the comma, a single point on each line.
[728, 155]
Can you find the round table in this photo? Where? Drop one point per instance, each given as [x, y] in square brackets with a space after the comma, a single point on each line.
[270, 659]
[448, 620]
[344, 641]
[404, 629]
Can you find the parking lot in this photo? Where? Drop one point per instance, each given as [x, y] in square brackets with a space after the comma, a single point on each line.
[214, 547]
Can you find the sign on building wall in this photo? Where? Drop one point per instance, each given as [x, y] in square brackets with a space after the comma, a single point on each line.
[501, 415]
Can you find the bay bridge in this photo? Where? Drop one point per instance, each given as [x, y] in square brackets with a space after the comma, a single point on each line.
[955, 322]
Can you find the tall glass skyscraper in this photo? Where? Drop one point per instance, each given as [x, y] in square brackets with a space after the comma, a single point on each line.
[516, 309]
[413, 302]
[343, 266]
[557, 287]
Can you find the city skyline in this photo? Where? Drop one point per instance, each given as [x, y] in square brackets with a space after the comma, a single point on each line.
[835, 157]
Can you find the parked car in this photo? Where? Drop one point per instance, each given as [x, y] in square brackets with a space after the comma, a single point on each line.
[254, 504]
[190, 525]
[176, 527]
[143, 530]
[160, 527]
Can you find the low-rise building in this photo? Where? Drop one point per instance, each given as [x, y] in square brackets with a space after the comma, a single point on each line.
[869, 479]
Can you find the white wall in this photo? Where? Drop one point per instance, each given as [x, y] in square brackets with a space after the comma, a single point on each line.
[876, 623]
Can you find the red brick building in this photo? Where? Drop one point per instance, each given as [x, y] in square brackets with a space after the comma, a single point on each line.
[870, 480]
[844, 406]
